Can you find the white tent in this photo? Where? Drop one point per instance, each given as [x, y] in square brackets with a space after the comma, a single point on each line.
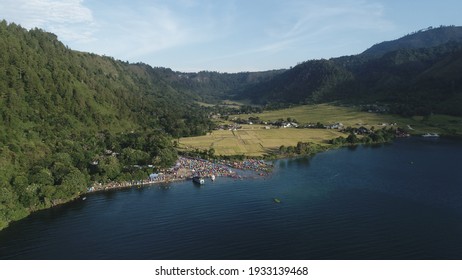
[153, 176]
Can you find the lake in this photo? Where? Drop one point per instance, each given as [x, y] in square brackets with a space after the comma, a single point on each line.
[395, 201]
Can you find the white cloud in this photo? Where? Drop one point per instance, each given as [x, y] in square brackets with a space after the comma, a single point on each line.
[287, 32]
[204, 30]
[69, 19]
[312, 21]
[135, 31]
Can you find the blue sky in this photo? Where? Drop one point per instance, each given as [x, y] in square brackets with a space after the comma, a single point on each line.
[228, 35]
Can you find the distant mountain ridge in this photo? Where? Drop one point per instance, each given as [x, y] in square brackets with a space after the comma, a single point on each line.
[211, 86]
[425, 38]
[419, 78]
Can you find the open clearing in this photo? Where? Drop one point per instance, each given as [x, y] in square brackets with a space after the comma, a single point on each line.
[255, 140]
[352, 116]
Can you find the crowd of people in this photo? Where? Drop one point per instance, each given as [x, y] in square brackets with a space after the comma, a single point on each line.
[252, 164]
[186, 168]
[190, 167]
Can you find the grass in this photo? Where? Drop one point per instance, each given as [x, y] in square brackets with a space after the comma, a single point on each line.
[327, 114]
[204, 104]
[227, 103]
[352, 116]
[254, 140]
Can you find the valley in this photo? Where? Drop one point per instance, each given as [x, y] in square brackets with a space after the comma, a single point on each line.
[69, 119]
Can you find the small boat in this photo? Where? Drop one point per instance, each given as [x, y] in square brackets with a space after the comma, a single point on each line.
[83, 198]
[212, 177]
[199, 180]
[276, 200]
[431, 135]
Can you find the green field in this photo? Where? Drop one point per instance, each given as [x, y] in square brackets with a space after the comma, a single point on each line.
[352, 116]
[323, 113]
[255, 140]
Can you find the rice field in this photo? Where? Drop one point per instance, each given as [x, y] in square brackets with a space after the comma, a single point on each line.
[352, 116]
[253, 140]
[328, 114]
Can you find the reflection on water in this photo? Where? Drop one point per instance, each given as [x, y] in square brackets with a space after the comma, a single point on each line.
[302, 161]
[282, 164]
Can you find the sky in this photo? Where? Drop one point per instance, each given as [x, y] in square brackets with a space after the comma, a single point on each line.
[228, 35]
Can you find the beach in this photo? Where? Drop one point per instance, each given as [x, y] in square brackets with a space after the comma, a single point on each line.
[186, 168]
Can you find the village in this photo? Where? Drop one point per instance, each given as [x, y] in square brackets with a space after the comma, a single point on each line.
[292, 123]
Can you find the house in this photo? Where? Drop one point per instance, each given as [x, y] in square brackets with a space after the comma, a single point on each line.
[337, 125]
[362, 130]
[288, 124]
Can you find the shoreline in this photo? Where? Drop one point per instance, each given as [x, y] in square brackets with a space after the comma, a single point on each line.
[186, 168]
[236, 165]
[243, 165]
[183, 173]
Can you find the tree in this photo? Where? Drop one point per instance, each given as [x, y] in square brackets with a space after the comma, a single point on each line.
[165, 158]
[75, 181]
[10, 208]
[132, 156]
[211, 153]
[42, 177]
[109, 168]
[352, 138]
[338, 141]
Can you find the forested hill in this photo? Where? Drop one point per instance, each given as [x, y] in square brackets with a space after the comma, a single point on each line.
[212, 87]
[410, 80]
[426, 38]
[68, 118]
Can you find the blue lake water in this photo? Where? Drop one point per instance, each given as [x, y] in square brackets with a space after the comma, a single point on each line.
[396, 201]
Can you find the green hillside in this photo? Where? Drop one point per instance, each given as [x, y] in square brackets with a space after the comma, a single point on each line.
[209, 86]
[426, 38]
[68, 118]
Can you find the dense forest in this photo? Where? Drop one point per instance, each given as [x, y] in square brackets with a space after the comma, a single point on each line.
[424, 38]
[69, 118]
[213, 87]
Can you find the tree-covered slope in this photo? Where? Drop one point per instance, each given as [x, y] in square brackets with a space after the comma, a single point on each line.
[305, 82]
[427, 38]
[68, 118]
[419, 81]
[210, 87]
[412, 81]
